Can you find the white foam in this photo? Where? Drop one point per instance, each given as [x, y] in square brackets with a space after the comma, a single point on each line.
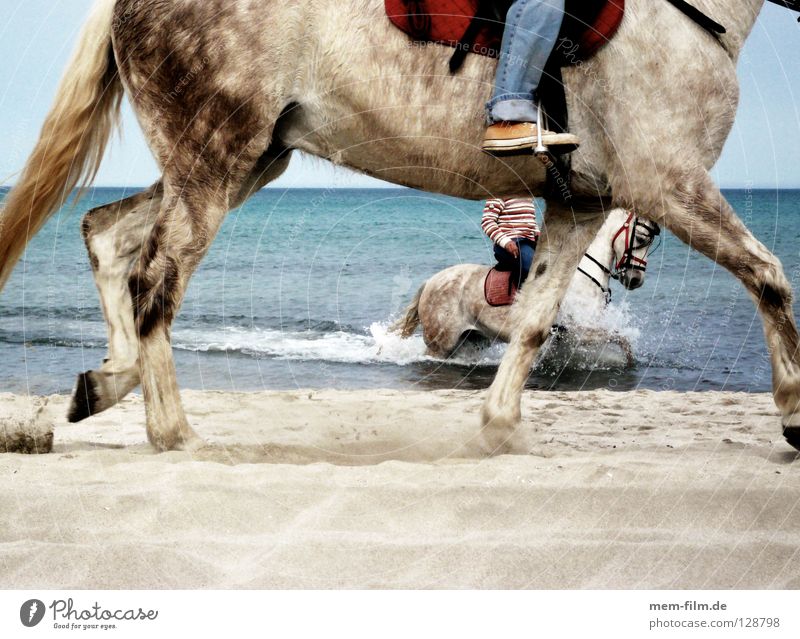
[379, 345]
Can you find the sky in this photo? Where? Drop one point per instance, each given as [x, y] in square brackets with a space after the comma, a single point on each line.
[37, 36]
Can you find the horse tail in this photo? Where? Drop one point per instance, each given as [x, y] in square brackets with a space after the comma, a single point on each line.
[407, 324]
[72, 140]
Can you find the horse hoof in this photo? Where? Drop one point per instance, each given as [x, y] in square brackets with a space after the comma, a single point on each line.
[180, 437]
[792, 435]
[84, 399]
[191, 444]
[491, 446]
[497, 432]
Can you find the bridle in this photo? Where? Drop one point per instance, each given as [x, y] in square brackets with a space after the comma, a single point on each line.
[628, 261]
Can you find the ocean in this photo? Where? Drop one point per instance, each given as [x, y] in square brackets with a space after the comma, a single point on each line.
[300, 285]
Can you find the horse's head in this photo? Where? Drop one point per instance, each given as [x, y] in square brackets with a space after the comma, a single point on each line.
[631, 244]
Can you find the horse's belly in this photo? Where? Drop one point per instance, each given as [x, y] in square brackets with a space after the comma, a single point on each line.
[376, 103]
[432, 157]
[431, 163]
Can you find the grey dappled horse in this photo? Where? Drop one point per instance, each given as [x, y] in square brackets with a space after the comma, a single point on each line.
[225, 91]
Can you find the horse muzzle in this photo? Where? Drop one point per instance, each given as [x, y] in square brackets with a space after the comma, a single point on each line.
[631, 279]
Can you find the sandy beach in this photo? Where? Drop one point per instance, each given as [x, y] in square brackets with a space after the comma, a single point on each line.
[374, 489]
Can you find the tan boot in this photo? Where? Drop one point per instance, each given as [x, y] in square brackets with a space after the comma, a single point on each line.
[509, 138]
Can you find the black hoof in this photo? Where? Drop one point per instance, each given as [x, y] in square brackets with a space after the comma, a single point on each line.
[792, 435]
[84, 399]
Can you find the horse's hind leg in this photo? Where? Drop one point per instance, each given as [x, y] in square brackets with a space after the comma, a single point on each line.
[441, 344]
[627, 350]
[113, 235]
[698, 214]
[442, 321]
[565, 237]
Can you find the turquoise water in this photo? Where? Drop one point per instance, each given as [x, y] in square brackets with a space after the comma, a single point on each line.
[299, 286]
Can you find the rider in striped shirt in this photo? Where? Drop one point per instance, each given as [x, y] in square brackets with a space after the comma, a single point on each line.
[510, 223]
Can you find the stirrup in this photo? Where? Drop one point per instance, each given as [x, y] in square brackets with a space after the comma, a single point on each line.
[541, 151]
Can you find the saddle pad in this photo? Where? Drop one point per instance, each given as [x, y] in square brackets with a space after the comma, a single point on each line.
[445, 22]
[498, 288]
[604, 28]
[588, 25]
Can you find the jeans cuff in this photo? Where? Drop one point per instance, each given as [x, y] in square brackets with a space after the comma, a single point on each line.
[511, 107]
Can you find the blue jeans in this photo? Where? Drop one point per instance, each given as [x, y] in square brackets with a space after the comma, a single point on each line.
[531, 33]
[520, 266]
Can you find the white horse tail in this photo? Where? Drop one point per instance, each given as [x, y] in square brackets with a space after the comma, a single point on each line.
[407, 324]
[72, 140]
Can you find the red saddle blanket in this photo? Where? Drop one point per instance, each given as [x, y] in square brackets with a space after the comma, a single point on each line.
[588, 24]
[498, 289]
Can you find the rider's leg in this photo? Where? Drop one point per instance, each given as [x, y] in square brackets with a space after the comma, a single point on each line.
[519, 266]
[526, 251]
[531, 32]
[505, 260]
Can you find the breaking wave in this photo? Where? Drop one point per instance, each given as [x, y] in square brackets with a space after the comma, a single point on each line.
[332, 342]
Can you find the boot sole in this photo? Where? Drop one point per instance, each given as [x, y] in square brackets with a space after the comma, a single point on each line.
[558, 144]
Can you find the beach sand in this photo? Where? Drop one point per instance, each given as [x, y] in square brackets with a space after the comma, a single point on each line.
[363, 489]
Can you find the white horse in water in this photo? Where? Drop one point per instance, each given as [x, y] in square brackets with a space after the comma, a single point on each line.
[451, 306]
[225, 91]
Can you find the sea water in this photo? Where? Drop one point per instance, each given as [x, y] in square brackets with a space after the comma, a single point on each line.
[300, 286]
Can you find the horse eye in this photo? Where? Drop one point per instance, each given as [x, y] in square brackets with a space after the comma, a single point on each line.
[642, 241]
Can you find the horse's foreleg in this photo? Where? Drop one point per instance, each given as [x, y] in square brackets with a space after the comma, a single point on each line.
[699, 215]
[625, 345]
[191, 213]
[565, 238]
[114, 234]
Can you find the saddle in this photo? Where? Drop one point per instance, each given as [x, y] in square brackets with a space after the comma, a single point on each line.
[499, 288]
[476, 26]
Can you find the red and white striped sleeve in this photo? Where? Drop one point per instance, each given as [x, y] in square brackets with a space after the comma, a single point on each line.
[492, 211]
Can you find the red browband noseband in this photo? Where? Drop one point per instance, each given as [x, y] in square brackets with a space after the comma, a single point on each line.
[628, 259]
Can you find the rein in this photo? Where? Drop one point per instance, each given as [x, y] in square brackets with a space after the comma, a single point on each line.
[607, 271]
[712, 26]
[700, 18]
[792, 5]
[595, 281]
